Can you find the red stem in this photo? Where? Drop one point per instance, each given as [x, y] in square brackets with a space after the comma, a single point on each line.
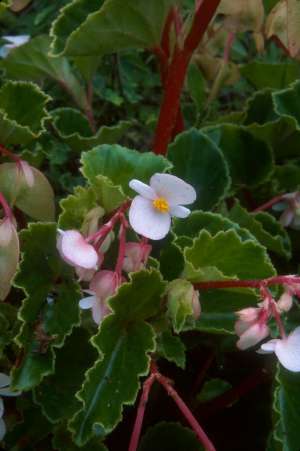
[122, 245]
[205, 10]
[276, 280]
[135, 437]
[203, 438]
[269, 204]
[6, 207]
[9, 154]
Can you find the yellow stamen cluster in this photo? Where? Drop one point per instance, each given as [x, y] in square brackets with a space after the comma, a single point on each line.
[161, 204]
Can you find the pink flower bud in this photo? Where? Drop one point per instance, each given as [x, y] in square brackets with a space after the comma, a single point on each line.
[285, 302]
[105, 283]
[27, 173]
[196, 304]
[6, 231]
[253, 335]
[136, 255]
[248, 314]
[74, 249]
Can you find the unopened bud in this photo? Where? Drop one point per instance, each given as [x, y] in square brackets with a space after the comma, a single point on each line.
[253, 335]
[285, 302]
[91, 221]
[136, 255]
[6, 230]
[27, 173]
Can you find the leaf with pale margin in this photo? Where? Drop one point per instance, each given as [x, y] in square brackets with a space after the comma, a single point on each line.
[265, 228]
[286, 408]
[62, 441]
[198, 161]
[287, 103]
[250, 160]
[171, 348]
[32, 61]
[73, 128]
[75, 207]
[250, 261]
[36, 201]
[22, 112]
[115, 26]
[114, 379]
[9, 259]
[43, 276]
[270, 75]
[121, 165]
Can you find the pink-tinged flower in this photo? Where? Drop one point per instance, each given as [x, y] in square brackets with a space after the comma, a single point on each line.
[251, 326]
[151, 211]
[6, 230]
[252, 335]
[285, 302]
[286, 349]
[74, 249]
[291, 210]
[136, 256]
[27, 173]
[103, 285]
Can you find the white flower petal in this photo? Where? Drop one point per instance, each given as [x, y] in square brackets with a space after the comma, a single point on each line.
[173, 189]
[288, 351]
[17, 40]
[147, 221]
[88, 302]
[287, 217]
[142, 189]
[2, 429]
[4, 380]
[180, 212]
[76, 251]
[269, 346]
[6, 391]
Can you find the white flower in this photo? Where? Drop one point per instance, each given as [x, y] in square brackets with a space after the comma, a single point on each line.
[286, 349]
[13, 42]
[4, 391]
[151, 211]
[74, 249]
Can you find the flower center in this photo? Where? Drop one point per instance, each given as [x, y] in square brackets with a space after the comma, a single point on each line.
[161, 204]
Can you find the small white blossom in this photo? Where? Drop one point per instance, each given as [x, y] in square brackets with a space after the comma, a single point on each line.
[286, 349]
[151, 211]
[13, 42]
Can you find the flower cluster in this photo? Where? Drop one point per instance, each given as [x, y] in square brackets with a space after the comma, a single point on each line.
[150, 215]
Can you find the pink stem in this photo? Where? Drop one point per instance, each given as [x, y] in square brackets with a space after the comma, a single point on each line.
[268, 204]
[9, 154]
[122, 246]
[203, 438]
[229, 42]
[276, 280]
[135, 437]
[6, 207]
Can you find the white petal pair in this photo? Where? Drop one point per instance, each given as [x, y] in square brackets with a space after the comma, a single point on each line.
[286, 349]
[151, 211]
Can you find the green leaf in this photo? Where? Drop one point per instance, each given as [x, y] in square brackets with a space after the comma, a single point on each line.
[286, 407]
[265, 228]
[140, 298]
[22, 112]
[180, 294]
[171, 348]
[50, 309]
[36, 201]
[32, 61]
[249, 159]
[198, 161]
[108, 195]
[287, 103]
[98, 30]
[169, 437]
[171, 261]
[270, 75]
[75, 207]
[9, 259]
[213, 388]
[113, 380]
[56, 394]
[73, 128]
[121, 165]
[62, 441]
[210, 253]
[196, 86]
[288, 177]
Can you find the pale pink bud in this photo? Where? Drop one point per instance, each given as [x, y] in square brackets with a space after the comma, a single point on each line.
[285, 302]
[287, 217]
[248, 314]
[196, 304]
[27, 173]
[253, 335]
[286, 349]
[105, 283]
[74, 249]
[6, 230]
[136, 255]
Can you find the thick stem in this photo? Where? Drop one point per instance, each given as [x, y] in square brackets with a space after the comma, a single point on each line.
[276, 280]
[176, 75]
[203, 438]
[135, 437]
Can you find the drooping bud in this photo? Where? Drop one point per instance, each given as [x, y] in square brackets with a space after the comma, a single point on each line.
[6, 231]
[136, 256]
[74, 249]
[248, 314]
[27, 173]
[253, 335]
[183, 302]
[285, 302]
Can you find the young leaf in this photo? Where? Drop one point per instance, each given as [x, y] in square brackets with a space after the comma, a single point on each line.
[113, 380]
[171, 348]
[73, 128]
[287, 103]
[121, 165]
[50, 309]
[22, 112]
[109, 28]
[198, 161]
[37, 201]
